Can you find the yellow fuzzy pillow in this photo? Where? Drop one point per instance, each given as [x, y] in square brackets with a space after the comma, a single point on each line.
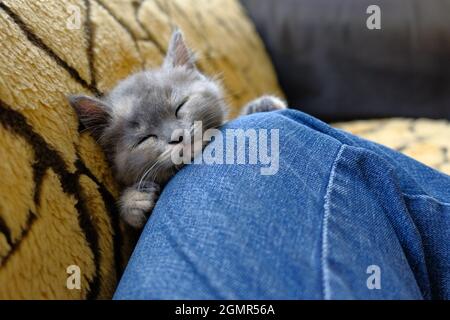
[425, 140]
[57, 197]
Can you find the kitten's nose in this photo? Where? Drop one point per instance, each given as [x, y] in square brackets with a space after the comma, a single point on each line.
[177, 140]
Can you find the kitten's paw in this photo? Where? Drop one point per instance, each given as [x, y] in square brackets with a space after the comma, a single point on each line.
[263, 104]
[136, 205]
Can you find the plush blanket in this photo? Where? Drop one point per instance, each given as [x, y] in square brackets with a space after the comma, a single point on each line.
[425, 140]
[58, 218]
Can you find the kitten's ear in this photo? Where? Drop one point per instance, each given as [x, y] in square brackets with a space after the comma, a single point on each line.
[178, 53]
[93, 113]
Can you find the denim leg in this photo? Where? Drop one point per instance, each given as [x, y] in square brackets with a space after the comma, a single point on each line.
[338, 208]
[414, 198]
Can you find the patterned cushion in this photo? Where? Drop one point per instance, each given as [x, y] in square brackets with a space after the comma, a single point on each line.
[57, 196]
[422, 139]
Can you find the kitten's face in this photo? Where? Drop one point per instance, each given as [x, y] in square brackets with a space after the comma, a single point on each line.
[149, 108]
[147, 113]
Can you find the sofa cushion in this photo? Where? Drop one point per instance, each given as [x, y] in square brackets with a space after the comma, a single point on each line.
[425, 140]
[332, 66]
[57, 193]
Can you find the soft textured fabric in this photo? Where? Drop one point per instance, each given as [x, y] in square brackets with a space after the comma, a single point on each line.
[333, 67]
[57, 195]
[425, 140]
[338, 206]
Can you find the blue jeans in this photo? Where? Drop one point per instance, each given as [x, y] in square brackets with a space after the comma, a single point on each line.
[343, 218]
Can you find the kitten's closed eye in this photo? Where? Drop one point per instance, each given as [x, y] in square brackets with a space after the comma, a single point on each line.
[145, 138]
[180, 106]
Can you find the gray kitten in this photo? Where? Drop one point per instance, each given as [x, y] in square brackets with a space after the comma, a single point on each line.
[135, 122]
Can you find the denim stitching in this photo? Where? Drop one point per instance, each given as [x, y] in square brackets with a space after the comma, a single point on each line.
[327, 213]
[426, 197]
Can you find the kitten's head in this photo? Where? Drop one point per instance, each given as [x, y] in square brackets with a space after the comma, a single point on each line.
[136, 121]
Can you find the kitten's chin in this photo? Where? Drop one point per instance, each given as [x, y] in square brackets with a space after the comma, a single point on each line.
[165, 175]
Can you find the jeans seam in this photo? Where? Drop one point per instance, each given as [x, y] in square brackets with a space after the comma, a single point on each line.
[426, 197]
[327, 212]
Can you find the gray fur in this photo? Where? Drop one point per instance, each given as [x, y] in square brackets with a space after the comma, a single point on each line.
[263, 104]
[145, 104]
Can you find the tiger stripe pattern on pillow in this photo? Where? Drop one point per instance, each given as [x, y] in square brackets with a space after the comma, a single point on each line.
[57, 196]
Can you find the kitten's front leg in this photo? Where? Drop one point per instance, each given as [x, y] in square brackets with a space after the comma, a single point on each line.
[263, 104]
[137, 204]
